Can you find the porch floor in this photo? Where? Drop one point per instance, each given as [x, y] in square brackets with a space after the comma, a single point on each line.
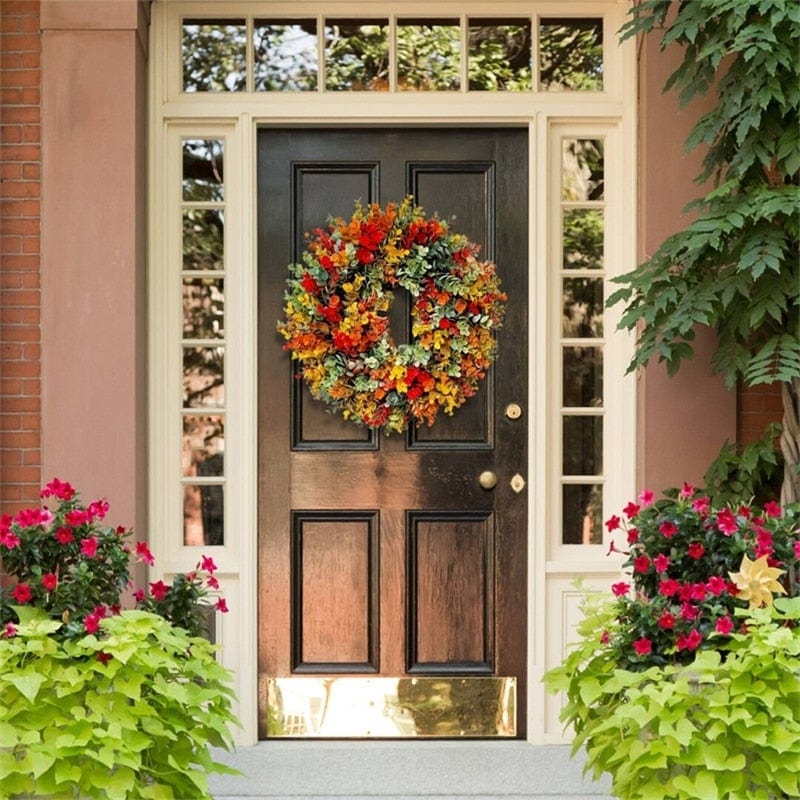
[446, 770]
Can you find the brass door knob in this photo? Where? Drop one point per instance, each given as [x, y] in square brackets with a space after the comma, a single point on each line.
[487, 479]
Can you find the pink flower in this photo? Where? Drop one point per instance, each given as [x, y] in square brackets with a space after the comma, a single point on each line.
[631, 510]
[689, 613]
[10, 540]
[772, 509]
[797, 549]
[605, 637]
[208, 564]
[76, 517]
[641, 563]
[30, 517]
[613, 523]
[91, 622]
[696, 550]
[89, 547]
[138, 595]
[100, 611]
[643, 646]
[666, 621]
[212, 582]
[59, 489]
[661, 562]
[10, 630]
[222, 605]
[744, 511]
[701, 505]
[620, 588]
[49, 581]
[646, 498]
[687, 490]
[690, 642]
[143, 551]
[63, 535]
[22, 593]
[668, 587]
[698, 592]
[98, 509]
[716, 585]
[668, 529]
[633, 536]
[726, 521]
[159, 590]
[724, 625]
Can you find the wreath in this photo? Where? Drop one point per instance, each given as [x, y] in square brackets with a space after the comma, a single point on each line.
[336, 316]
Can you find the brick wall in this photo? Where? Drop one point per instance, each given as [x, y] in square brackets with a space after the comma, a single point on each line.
[20, 193]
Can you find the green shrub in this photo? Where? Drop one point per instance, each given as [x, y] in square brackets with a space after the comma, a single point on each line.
[130, 713]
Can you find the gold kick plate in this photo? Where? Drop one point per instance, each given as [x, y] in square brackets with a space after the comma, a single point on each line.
[392, 708]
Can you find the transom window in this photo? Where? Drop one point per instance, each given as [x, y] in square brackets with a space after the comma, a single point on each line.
[466, 53]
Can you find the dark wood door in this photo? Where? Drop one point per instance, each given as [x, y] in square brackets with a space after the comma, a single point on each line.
[383, 555]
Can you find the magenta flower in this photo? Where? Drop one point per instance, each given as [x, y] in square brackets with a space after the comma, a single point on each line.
[222, 605]
[143, 551]
[63, 535]
[669, 587]
[726, 521]
[666, 621]
[10, 540]
[620, 588]
[643, 646]
[97, 509]
[212, 582]
[49, 581]
[661, 562]
[724, 625]
[22, 593]
[76, 517]
[647, 498]
[668, 529]
[208, 564]
[696, 550]
[772, 509]
[159, 590]
[138, 595]
[613, 523]
[701, 505]
[641, 563]
[690, 642]
[10, 630]
[687, 490]
[91, 622]
[716, 585]
[59, 489]
[89, 547]
[631, 510]
[689, 613]
[633, 536]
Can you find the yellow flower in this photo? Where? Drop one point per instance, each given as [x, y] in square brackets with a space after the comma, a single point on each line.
[756, 581]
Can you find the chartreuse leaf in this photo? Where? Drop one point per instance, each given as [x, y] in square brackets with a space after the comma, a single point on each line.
[28, 684]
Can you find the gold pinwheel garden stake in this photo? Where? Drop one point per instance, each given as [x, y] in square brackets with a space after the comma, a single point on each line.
[756, 581]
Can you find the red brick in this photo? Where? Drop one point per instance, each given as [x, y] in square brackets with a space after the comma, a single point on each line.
[26, 7]
[10, 351]
[11, 134]
[22, 404]
[10, 387]
[20, 439]
[22, 114]
[21, 152]
[19, 474]
[30, 244]
[31, 172]
[24, 77]
[27, 297]
[20, 189]
[21, 43]
[30, 280]
[32, 457]
[22, 226]
[10, 207]
[31, 208]
[21, 262]
[21, 369]
[11, 458]
[11, 422]
[32, 351]
[10, 244]
[11, 171]
[31, 388]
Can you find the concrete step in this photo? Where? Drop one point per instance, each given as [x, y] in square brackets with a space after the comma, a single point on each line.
[418, 770]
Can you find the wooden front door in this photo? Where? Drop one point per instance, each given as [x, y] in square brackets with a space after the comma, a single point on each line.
[383, 556]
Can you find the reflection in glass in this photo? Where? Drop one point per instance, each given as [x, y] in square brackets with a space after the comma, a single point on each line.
[582, 377]
[214, 55]
[203, 445]
[203, 377]
[500, 55]
[357, 55]
[428, 55]
[571, 54]
[582, 238]
[203, 515]
[582, 514]
[285, 55]
[203, 308]
[582, 441]
[582, 306]
[202, 169]
[203, 238]
[582, 170]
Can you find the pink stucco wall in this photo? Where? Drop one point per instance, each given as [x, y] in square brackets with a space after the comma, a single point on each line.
[93, 251]
[683, 420]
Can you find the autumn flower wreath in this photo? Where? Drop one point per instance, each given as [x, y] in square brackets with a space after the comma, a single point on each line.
[337, 326]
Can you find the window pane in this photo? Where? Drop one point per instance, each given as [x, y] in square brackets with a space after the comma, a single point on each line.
[582, 378]
[571, 54]
[582, 300]
[203, 515]
[203, 308]
[214, 55]
[582, 170]
[582, 511]
[500, 55]
[203, 377]
[203, 446]
[285, 55]
[202, 169]
[582, 441]
[583, 238]
[428, 55]
[203, 237]
[357, 55]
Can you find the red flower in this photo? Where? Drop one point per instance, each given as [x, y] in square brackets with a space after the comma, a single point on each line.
[98, 509]
[646, 498]
[701, 505]
[666, 621]
[687, 490]
[797, 549]
[91, 622]
[10, 540]
[22, 593]
[89, 547]
[726, 521]
[212, 582]
[76, 517]
[207, 564]
[772, 509]
[668, 587]
[143, 551]
[159, 590]
[698, 592]
[64, 535]
[138, 595]
[104, 658]
[668, 529]
[631, 510]
[661, 562]
[49, 581]
[716, 585]
[222, 605]
[690, 642]
[620, 588]
[613, 523]
[59, 489]
[689, 613]
[10, 630]
[641, 563]
[724, 625]
[309, 284]
[696, 550]
[633, 536]
[643, 646]
[605, 637]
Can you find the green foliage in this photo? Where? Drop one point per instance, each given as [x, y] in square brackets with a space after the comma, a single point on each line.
[736, 267]
[129, 715]
[723, 727]
[754, 471]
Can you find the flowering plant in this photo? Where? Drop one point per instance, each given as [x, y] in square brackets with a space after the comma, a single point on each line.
[691, 566]
[74, 569]
[337, 325]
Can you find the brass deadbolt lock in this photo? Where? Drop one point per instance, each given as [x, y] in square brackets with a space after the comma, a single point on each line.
[513, 410]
